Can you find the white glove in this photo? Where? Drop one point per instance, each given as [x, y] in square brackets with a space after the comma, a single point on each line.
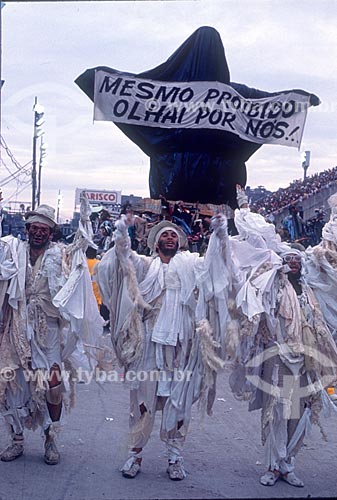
[122, 225]
[219, 225]
[241, 196]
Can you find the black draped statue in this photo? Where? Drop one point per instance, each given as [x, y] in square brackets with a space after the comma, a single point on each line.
[194, 165]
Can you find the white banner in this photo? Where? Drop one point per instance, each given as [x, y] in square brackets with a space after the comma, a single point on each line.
[122, 98]
[99, 196]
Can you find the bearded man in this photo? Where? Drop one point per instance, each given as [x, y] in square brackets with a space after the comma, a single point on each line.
[168, 315]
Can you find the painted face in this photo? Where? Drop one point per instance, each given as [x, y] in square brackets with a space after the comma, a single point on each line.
[39, 235]
[168, 243]
[294, 261]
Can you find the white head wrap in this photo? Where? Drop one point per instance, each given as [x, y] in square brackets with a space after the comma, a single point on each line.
[157, 230]
[166, 228]
[292, 251]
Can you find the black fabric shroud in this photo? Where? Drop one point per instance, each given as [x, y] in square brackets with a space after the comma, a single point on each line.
[193, 165]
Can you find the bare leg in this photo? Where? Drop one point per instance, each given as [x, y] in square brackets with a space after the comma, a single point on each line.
[54, 396]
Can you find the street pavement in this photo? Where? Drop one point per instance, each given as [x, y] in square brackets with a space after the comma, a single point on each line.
[223, 456]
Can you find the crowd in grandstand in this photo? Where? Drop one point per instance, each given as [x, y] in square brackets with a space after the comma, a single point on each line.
[295, 193]
[294, 227]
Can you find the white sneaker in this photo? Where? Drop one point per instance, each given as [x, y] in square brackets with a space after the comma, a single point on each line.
[131, 467]
[12, 452]
[176, 471]
[51, 453]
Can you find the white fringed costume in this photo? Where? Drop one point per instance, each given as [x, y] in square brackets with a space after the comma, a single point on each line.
[167, 318]
[285, 355]
[49, 314]
[321, 269]
[31, 335]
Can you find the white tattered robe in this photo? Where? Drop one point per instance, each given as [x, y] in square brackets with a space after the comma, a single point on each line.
[159, 314]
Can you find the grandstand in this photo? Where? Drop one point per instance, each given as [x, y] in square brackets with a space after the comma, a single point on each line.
[307, 195]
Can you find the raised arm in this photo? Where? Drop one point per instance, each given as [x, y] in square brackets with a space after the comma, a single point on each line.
[122, 238]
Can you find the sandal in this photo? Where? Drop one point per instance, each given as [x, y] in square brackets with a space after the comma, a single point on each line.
[270, 478]
[292, 479]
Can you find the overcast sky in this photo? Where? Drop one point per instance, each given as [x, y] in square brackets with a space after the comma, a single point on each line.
[269, 44]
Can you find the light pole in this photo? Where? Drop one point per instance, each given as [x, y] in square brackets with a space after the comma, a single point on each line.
[38, 132]
[59, 201]
[2, 4]
[305, 163]
[34, 161]
[42, 163]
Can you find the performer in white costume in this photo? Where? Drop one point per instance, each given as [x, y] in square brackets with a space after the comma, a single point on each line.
[48, 313]
[168, 315]
[284, 355]
[321, 269]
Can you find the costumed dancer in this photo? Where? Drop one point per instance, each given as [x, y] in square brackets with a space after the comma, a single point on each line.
[31, 337]
[321, 268]
[284, 355]
[168, 316]
[39, 332]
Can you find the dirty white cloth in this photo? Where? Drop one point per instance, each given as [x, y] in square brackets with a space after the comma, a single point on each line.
[285, 354]
[169, 300]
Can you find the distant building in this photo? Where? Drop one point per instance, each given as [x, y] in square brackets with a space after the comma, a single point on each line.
[257, 193]
[131, 199]
[13, 223]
